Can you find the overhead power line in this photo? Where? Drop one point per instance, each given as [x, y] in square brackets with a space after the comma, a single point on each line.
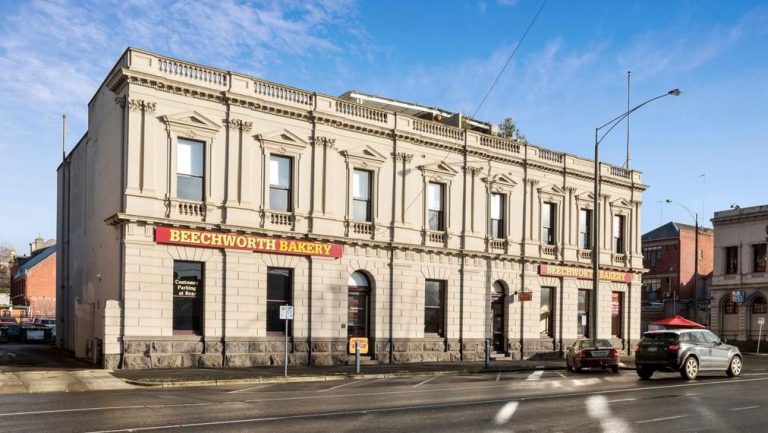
[520, 42]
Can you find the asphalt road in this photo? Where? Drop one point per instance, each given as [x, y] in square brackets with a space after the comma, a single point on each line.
[506, 402]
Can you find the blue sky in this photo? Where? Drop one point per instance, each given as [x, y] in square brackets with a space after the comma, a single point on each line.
[568, 77]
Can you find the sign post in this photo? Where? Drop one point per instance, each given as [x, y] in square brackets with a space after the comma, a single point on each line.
[357, 357]
[761, 322]
[286, 313]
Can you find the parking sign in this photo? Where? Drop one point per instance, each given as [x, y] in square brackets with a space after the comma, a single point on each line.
[286, 312]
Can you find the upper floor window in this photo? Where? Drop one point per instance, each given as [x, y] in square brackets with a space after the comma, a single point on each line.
[651, 256]
[618, 234]
[548, 218]
[585, 229]
[497, 215]
[280, 185]
[759, 306]
[189, 170]
[436, 203]
[731, 260]
[758, 258]
[361, 195]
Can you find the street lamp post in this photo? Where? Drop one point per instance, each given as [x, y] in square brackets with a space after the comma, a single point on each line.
[596, 205]
[695, 217]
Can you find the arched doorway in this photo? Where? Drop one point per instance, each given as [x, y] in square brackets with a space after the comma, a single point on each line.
[359, 306]
[498, 317]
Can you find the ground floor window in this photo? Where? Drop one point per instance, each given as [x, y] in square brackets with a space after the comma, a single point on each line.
[546, 309]
[188, 297]
[617, 303]
[279, 288]
[582, 325]
[434, 307]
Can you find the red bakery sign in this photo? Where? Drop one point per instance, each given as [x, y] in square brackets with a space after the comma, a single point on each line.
[214, 239]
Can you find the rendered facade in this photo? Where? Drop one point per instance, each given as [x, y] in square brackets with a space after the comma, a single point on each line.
[200, 201]
[739, 281]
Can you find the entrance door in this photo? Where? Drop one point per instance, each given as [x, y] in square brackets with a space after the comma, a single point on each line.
[358, 306]
[498, 308]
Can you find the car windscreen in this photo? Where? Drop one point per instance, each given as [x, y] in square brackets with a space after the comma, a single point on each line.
[603, 343]
[660, 338]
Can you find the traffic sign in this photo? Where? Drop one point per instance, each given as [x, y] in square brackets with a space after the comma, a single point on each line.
[286, 312]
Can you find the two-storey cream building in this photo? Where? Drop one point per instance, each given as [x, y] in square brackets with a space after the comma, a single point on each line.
[739, 287]
[200, 201]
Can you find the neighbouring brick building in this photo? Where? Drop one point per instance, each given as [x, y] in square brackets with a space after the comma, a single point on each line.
[669, 283]
[34, 281]
[740, 276]
[222, 198]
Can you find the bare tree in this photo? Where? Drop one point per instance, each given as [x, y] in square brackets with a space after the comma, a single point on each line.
[508, 129]
[43, 307]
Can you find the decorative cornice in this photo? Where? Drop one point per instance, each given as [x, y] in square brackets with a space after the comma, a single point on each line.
[240, 124]
[326, 142]
[141, 105]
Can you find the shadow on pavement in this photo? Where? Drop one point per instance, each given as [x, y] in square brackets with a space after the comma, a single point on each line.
[22, 357]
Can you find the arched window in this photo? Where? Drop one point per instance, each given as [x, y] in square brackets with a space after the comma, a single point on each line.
[730, 307]
[497, 289]
[358, 280]
[759, 306]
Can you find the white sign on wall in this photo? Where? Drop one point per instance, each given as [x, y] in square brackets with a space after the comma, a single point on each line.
[286, 312]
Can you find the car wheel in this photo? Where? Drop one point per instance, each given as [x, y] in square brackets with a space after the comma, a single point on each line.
[615, 368]
[645, 373]
[690, 368]
[734, 367]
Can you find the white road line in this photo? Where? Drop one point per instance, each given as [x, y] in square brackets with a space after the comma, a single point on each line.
[410, 391]
[536, 375]
[425, 381]
[249, 389]
[560, 374]
[666, 418]
[342, 385]
[498, 377]
[621, 400]
[744, 408]
[505, 413]
[691, 394]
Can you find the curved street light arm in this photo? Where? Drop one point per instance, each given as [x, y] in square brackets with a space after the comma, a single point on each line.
[616, 120]
[693, 214]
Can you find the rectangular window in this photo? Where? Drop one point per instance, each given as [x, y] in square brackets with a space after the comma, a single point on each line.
[651, 256]
[497, 215]
[585, 229]
[189, 170]
[188, 290]
[731, 260]
[618, 234]
[434, 307]
[582, 316]
[435, 202]
[617, 303]
[651, 290]
[548, 218]
[361, 195]
[546, 316]
[280, 182]
[758, 258]
[279, 285]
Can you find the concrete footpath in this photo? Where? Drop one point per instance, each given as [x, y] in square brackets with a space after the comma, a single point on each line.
[274, 374]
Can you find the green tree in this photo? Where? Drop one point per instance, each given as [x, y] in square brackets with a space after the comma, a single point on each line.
[508, 129]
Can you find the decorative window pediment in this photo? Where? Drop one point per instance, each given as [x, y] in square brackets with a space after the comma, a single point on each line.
[620, 202]
[501, 182]
[585, 196]
[364, 157]
[283, 141]
[439, 171]
[191, 124]
[551, 192]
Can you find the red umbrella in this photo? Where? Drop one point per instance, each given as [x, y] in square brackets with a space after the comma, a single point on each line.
[677, 322]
